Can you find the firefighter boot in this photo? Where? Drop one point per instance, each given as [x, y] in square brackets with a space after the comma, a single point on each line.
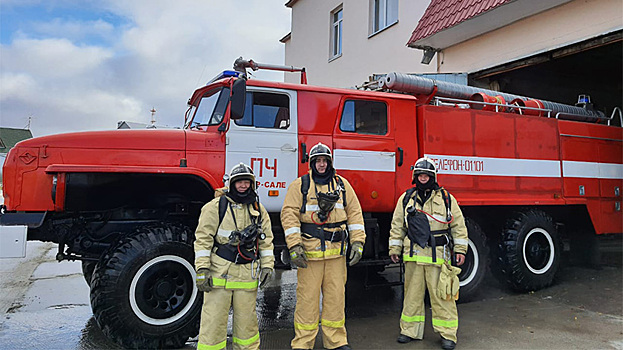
[404, 339]
[447, 344]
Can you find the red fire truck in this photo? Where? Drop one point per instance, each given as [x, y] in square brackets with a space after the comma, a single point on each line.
[527, 174]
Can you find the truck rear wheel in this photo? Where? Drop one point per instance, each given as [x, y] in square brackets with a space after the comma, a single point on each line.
[87, 270]
[143, 292]
[474, 269]
[531, 250]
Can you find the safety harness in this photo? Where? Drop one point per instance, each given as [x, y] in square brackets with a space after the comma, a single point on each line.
[321, 230]
[243, 245]
[418, 228]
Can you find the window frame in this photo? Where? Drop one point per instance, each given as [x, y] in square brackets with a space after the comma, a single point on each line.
[380, 15]
[250, 108]
[336, 33]
[343, 108]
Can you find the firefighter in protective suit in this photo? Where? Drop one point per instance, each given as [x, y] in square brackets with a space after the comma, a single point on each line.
[233, 254]
[427, 227]
[321, 217]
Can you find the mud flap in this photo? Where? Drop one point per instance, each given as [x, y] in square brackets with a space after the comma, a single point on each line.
[13, 241]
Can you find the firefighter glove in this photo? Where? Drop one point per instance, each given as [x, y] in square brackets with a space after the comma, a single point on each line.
[264, 275]
[448, 285]
[204, 280]
[297, 256]
[356, 252]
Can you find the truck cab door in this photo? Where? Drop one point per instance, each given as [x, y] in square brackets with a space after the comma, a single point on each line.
[265, 138]
[364, 151]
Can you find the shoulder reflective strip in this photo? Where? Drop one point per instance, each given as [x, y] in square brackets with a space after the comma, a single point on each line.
[463, 165]
[461, 241]
[224, 233]
[356, 159]
[435, 216]
[306, 326]
[320, 254]
[592, 170]
[422, 259]
[249, 341]
[397, 242]
[354, 227]
[333, 324]
[266, 252]
[444, 323]
[292, 230]
[314, 207]
[202, 253]
[311, 207]
[218, 346]
[416, 318]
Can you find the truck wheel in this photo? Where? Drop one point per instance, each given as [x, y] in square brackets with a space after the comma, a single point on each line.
[143, 292]
[87, 270]
[531, 250]
[474, 269]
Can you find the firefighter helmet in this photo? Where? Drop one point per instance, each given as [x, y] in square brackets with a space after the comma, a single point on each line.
[426, 166]
[320, 149]
[242, 172]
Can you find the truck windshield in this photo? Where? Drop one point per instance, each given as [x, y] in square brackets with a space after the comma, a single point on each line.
[211, 108]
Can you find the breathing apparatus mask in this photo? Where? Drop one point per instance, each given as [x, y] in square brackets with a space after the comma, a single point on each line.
[247, 238]
[326, 203]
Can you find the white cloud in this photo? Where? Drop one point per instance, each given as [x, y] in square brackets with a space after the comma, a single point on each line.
[75, 30]
[168, 50]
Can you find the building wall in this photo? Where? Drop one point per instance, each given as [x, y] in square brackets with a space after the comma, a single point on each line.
[362, 55]
[563, 25]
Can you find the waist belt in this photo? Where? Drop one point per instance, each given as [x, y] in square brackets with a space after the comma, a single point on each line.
[309, 230]
[436, 238]
[442, 239]
[230, 253]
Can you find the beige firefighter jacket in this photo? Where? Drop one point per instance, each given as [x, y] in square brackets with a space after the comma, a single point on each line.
[224, 273]
[291, 219]
[435, 206]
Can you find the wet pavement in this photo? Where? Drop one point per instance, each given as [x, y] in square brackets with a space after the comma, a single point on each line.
[45, 305]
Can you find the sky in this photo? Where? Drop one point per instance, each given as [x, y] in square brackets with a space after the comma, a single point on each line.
[79, 65]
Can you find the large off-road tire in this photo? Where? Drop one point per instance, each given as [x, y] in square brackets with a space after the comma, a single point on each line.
[476, 264]
[530, 250]
[87, 270]
[143, 292]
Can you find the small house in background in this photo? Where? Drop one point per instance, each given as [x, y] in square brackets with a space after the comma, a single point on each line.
[123, 124]
[8, 138]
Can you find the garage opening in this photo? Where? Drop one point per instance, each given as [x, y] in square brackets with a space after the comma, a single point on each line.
[592, 67]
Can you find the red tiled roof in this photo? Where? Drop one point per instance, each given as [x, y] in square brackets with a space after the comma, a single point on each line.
[443, 14]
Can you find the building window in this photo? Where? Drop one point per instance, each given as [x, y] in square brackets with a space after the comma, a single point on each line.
[266, 110]
[385, 13]
[336, 33]
[364, 117]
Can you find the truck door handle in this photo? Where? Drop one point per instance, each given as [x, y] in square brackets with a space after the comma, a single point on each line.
[304, 156]
[400, 156]
[288, 148]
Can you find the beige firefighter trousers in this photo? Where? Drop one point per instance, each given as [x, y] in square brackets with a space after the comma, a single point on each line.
[445, 318]
[214, 315]
[329, 277]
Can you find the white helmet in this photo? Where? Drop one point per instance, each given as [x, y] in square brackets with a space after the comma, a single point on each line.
[426, 166]
[320, 149]
[242, 172]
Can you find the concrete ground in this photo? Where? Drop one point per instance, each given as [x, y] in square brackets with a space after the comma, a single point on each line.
[45, 305]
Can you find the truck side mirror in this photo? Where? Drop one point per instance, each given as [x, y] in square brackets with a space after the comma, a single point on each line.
[238, 99]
